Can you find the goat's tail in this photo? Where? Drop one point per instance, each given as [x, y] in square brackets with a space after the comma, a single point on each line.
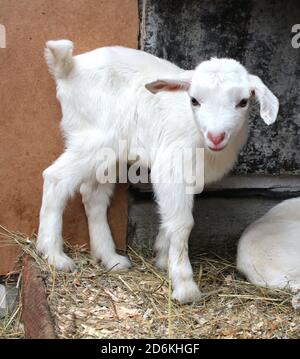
[58, 55]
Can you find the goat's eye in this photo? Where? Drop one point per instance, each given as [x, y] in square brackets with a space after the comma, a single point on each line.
[243, 103]
[194, 102]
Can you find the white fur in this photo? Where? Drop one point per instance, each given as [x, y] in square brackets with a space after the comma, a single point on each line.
[104, 99]
[269, 249]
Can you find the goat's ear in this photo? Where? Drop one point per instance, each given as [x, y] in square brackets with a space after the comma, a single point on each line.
[182, 83]
[269, 104]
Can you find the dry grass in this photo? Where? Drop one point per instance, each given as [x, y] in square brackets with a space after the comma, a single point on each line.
[95, 303]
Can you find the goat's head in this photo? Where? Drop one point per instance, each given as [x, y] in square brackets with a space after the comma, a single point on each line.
[220, 91]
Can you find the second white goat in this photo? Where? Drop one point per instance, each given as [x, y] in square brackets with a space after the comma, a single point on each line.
[115, 93]
[269, 249]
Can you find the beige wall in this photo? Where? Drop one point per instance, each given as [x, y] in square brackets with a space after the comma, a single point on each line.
[29, 113]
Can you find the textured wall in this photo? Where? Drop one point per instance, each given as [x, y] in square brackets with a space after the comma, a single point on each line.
[256, 32]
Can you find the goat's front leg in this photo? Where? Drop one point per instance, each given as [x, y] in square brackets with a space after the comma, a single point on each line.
[60, 181]
[177, 221]
[96, 198]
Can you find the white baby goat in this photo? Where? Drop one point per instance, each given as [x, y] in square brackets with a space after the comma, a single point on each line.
[116, 93]
[269, 249]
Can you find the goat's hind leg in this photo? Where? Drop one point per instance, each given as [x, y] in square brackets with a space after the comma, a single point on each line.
[161, 247]
[60, 181]
[96, 198]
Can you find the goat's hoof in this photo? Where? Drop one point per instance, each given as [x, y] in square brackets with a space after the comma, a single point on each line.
[61, 262]
[186, 293]
[118, 263]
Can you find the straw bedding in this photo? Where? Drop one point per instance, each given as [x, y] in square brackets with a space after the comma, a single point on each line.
[95, 303]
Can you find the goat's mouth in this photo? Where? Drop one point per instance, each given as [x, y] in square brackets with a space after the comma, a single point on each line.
[218, 148]
[217, 143]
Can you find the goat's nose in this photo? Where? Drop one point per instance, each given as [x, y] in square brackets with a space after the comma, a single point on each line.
[216, 138]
